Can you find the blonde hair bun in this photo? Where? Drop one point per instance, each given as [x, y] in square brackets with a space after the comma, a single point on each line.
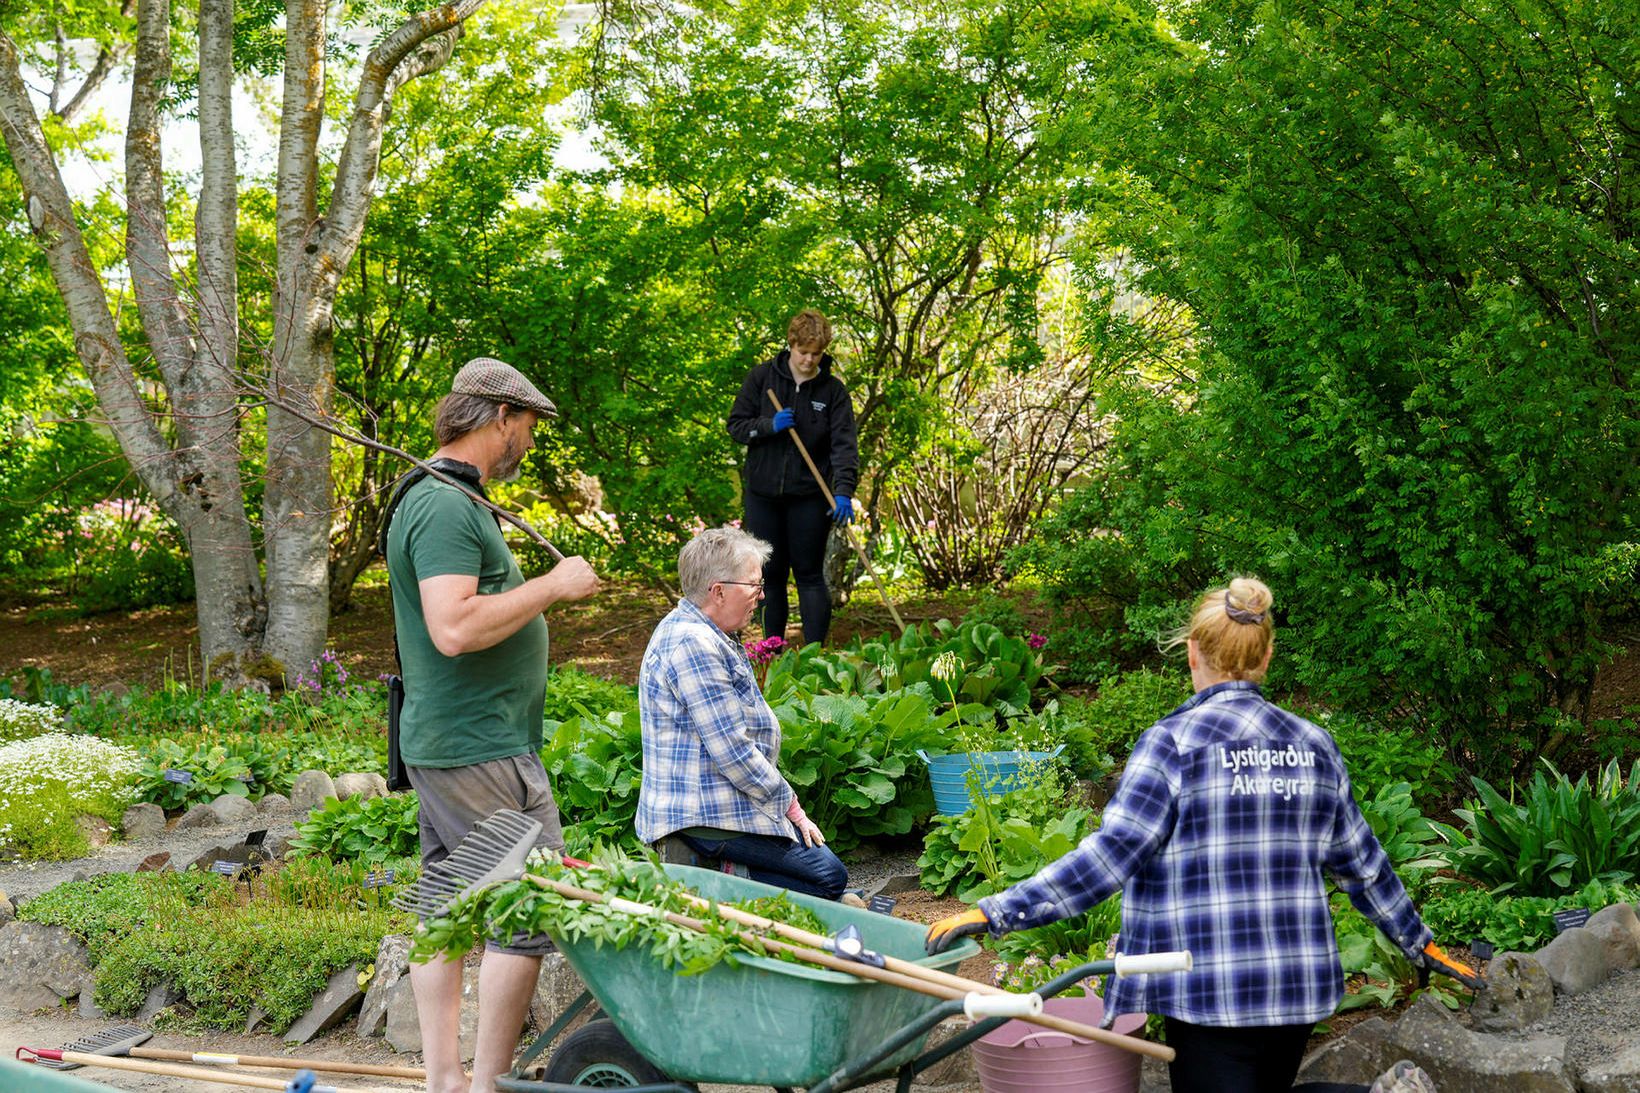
[1249, 595]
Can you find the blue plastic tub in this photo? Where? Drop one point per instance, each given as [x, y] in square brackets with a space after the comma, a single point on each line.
[998, 772]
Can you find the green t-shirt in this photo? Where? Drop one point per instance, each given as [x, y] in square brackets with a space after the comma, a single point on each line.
[477, 706]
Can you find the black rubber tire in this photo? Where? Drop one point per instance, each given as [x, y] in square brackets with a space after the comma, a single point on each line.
[597, 1055]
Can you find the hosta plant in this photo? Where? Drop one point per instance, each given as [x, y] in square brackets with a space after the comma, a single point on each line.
[359, 829]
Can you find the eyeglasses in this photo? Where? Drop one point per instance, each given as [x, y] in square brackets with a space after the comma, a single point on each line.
[749, 584]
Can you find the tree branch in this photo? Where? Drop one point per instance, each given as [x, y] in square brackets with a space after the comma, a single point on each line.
[96, 339]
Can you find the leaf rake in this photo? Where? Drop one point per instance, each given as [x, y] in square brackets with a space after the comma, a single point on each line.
[494, 852]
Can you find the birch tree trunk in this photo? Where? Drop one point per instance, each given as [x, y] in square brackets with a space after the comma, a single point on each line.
[186, 446]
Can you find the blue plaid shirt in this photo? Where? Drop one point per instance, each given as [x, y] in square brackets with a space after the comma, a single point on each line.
[710, 740]
[1229, 812]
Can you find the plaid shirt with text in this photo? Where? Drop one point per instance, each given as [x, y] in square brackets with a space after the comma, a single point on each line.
[1227, 816]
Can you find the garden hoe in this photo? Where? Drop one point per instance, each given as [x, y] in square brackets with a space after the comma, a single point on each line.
[126, 1040]
[848, 532]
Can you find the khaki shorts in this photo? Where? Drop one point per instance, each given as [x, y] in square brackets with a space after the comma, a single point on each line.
[455, 799]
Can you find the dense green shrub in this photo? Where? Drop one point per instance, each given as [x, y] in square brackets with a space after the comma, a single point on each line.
[1557, 838]
[46, 782]
[994, 669]
[1377, 756]
[369, 830]
[130, 556]
[572, 692]
[1127, 705]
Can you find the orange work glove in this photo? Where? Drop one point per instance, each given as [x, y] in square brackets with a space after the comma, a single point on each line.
[948, 931]
[1434, 959]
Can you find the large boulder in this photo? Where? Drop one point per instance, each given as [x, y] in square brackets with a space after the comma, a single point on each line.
[555, 991]
[1518, 993]
[392, 965]
[96, 830]
[142, 821]
[1462, 1061]
[198, 816]
[274, 804]
[231, 809]
[364, 785]
[41, 966]
[1354, 1058]
[339, 998]
[1618, 929]
[1575, 961]
[311, 789]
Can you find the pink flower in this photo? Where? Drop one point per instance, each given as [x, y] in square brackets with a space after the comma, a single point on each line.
[1036, 641]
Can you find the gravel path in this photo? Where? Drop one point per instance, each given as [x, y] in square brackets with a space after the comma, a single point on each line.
[1597, 1024]
[25, 880]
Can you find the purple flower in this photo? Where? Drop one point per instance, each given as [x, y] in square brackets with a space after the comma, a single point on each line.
[1036, 641]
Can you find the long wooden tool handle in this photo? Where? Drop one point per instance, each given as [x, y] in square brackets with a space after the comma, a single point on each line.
[333, 1066]
[815, 941]
[174, 1070]
[863, 971]
[848, 532]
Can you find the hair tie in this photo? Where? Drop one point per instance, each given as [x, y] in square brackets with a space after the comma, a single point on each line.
[1242, 615]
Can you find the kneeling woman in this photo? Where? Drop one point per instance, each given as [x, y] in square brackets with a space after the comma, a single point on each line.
[1230, 811]
[710, 740]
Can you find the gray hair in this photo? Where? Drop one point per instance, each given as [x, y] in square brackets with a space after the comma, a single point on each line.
[460, 414]
[714, 555]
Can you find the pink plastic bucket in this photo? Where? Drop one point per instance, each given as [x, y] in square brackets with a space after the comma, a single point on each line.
[1020, 1057]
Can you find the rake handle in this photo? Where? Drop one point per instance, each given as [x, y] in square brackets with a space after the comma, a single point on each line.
[848, 532]
[141, 1066]
[866, 971]
[215, 1058]
[815, 941]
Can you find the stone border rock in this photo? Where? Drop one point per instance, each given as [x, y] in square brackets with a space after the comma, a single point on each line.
[1497, 1045]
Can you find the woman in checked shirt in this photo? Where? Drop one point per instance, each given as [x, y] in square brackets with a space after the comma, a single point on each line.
[1229, 815]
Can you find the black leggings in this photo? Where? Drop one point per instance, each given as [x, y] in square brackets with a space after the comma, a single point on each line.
[1235, 1060]
[797, 528]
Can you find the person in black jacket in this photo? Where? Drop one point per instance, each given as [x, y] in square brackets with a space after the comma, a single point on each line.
[784, 504]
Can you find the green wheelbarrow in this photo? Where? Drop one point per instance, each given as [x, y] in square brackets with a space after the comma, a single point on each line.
[759, 1021]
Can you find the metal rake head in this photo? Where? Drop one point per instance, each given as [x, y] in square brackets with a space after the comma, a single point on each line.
[492, 853]
[115, 1041]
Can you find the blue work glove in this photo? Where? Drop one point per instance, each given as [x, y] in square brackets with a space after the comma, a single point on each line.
[844, 512]
[783, 420]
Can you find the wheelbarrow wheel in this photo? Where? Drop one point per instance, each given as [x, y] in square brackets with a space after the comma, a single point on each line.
[598, 1055]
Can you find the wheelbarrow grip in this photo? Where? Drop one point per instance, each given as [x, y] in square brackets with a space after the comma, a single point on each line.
[979, 1006]
[1150, 963]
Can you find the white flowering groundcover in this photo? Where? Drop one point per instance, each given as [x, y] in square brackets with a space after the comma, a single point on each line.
[46, 782]
[22, 720]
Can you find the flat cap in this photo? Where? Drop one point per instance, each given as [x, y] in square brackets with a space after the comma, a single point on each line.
[499, 381]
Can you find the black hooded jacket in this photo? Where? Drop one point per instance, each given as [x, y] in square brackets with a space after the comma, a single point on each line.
[823, 417]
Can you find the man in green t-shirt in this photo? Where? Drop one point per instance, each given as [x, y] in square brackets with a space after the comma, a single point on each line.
[473, 650]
